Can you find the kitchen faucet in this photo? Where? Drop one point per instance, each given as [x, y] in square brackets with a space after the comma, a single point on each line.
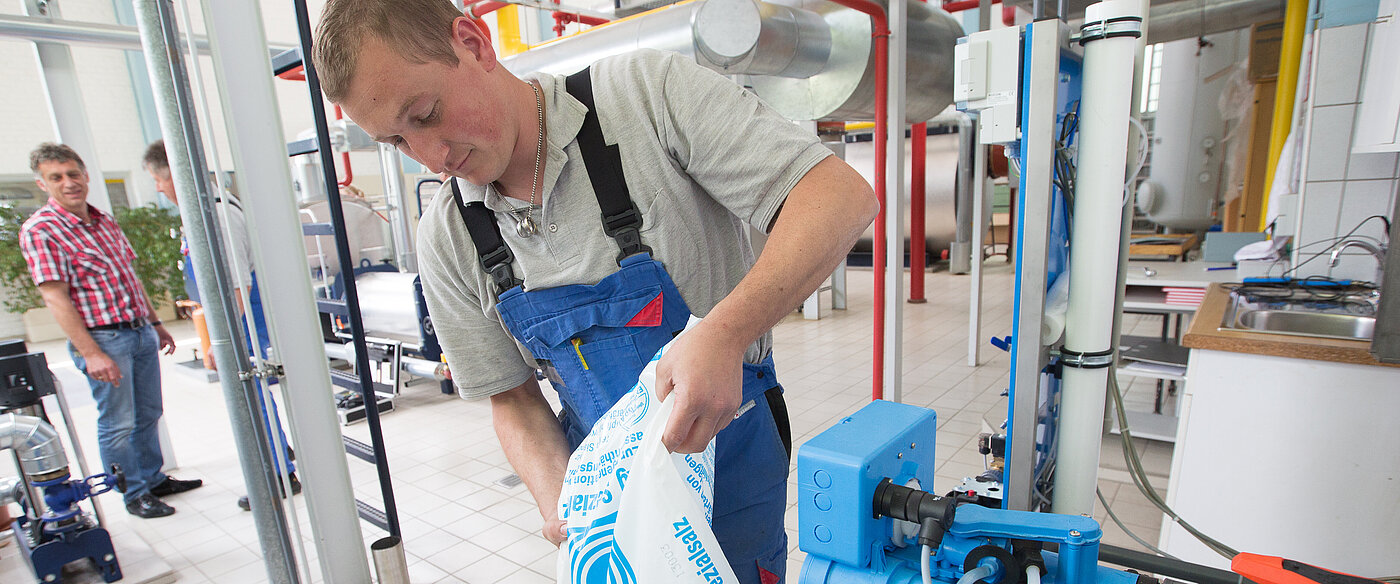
[1377, 251]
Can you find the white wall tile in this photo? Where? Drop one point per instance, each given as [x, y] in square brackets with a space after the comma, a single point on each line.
[1322, 203]
[1371, 165]
[1362, 199]
[1340, 53]
[1329, 142]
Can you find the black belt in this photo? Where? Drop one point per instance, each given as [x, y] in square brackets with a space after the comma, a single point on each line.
[130, 324]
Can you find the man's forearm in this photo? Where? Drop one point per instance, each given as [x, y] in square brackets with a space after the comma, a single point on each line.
[822, 218]
[533, 442]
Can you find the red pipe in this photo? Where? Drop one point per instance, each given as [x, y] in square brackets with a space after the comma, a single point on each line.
[880, 30]
[345, 156]
[961, 5]
[480, 9]
[917, 237]
[1008, 15]
[562, 19]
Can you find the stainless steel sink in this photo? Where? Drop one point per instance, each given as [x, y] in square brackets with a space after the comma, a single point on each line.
[1311, 324]
[1348, 314]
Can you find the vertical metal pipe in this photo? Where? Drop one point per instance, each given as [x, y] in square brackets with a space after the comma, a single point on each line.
[978, 212]
[390, 565]
[918, 241]
[244, 76]
[1134, 143]
[342, 246]
[396, 196]
[181, 131]
[894, 201]
[960, 252]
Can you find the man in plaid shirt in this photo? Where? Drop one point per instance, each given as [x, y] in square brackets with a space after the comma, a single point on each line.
[83, 266]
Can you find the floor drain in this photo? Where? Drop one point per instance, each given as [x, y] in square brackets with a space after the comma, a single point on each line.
[509, 481]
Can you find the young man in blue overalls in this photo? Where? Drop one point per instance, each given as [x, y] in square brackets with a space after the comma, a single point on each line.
[588, 217]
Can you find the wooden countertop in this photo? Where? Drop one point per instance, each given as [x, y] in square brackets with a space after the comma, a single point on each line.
[1204, 333]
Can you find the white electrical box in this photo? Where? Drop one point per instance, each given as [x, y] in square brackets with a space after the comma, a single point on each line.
[986, 80]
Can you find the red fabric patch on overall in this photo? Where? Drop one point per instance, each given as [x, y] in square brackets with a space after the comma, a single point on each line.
[650, 315]
[767, 577]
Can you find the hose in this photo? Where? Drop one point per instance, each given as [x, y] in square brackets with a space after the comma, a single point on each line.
[923, 565]
[1032, 575]
[975, 574]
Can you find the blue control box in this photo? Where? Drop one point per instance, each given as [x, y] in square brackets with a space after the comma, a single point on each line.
[838, 470]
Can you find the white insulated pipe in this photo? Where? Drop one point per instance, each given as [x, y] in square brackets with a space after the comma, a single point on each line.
[244, 76]
[1110, 34]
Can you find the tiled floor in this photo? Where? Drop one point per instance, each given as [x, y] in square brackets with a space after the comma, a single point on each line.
[461, 526]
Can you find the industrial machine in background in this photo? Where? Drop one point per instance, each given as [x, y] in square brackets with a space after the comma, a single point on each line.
[865, 515]
[53, 530]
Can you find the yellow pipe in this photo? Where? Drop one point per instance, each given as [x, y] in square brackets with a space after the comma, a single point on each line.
[508, 25]
[1290, 55]
[854, 126]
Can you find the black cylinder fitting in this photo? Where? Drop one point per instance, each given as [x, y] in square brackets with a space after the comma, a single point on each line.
[934, 514]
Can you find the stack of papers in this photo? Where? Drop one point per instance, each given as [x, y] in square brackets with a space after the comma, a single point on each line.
[1182, 296]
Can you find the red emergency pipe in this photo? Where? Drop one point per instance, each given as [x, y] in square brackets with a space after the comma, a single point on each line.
[880, 30]
[917, 237]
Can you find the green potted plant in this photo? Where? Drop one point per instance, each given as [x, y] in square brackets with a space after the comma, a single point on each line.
[155, 237]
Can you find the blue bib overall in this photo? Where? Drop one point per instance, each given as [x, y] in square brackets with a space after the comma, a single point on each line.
[599, 337]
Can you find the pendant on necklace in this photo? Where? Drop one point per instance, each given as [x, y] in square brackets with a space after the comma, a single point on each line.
[525, 225]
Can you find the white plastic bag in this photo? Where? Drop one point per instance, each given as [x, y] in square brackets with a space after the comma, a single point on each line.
[635, 512]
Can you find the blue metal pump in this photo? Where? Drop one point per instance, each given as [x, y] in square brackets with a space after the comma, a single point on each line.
[65, 533]
[864, 518]
[62, 533]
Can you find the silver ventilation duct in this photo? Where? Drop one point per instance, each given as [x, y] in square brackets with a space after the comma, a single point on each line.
[41, 455]
[809, 59]
[1186, 19]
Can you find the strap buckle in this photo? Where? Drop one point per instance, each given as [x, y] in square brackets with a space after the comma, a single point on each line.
[625, 228]
[497, 265]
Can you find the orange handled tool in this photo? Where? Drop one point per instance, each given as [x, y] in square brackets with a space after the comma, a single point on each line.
[1276, 570]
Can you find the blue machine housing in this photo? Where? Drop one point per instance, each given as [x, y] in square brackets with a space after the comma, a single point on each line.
[848, 541]
[838, 470]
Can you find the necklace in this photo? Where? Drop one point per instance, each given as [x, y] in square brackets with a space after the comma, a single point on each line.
[525, 225]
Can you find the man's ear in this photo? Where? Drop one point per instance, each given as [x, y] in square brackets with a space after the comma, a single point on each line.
[468, 34]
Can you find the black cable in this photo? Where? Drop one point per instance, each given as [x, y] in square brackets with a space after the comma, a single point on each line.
[1358, 227]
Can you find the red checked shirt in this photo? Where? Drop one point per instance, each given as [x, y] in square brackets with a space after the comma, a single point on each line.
[96, 261]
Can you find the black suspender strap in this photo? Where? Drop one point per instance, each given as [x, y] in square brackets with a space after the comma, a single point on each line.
[621, 219]
[491, 249]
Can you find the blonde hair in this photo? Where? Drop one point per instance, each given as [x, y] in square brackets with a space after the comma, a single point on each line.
[420, 31]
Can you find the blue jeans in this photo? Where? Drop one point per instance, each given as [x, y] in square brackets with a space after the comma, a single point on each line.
[127, 412]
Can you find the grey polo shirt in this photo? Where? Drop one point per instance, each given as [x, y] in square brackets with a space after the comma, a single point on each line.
[704, 159]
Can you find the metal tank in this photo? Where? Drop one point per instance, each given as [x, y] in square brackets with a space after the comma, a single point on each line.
[941, 164]
[1185, 186]
[810, 60]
